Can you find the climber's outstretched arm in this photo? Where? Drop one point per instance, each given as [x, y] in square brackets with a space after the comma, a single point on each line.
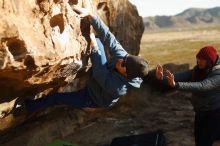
[106, 37]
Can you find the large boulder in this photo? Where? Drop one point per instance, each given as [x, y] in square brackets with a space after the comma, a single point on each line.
[44, 43]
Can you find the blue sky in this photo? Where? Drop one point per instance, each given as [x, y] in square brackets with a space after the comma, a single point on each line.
[170, 7]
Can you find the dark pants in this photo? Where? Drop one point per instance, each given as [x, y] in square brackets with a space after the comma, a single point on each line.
[78, 99]
[207, 128]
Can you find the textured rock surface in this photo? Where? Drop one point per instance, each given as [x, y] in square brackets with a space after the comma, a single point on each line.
[44, 44]
[39, 40]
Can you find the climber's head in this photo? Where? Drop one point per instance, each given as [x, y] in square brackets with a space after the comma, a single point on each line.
[132, 67]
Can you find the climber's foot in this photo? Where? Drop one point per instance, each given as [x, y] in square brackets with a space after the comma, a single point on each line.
[6, 108]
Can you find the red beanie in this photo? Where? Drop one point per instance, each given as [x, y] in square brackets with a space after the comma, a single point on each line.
[208, 53]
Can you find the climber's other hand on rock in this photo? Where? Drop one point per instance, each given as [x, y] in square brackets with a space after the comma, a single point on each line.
[82, 12]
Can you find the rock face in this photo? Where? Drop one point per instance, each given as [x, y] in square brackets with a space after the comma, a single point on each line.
[44, 48]
[43, 42]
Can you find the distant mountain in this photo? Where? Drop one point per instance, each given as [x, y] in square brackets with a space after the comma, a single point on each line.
[188, 18]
